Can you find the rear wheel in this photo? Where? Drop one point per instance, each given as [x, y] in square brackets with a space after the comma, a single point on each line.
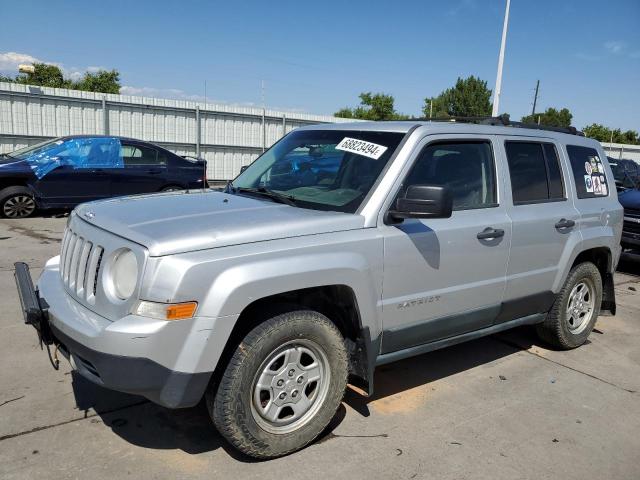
[575, 310]
[171, 188]
[282, 386]
[16, 202]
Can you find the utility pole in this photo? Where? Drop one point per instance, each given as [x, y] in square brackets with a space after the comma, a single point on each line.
[496, 96]
[535, 99]
[264, 114]
[205, 93]
[431, 109]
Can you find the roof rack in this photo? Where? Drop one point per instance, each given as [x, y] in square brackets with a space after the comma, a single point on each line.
[503, 121]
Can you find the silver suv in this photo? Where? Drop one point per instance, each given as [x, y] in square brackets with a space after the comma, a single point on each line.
[343, 247]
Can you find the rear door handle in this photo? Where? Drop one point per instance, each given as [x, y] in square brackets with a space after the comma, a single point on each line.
[564, 223]
[489, 232]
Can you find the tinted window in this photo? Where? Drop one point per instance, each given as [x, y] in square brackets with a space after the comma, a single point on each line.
[556, 190]
[535, 172]
[588, 172]
[136, 155]
[467, 169]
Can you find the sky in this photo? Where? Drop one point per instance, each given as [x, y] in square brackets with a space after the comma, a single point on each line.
[317, 57]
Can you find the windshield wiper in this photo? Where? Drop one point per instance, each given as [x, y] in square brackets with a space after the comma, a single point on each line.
[265, 192]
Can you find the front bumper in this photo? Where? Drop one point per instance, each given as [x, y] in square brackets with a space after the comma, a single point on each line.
[134, 355]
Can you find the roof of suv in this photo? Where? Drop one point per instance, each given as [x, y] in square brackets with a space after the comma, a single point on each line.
[449, 127]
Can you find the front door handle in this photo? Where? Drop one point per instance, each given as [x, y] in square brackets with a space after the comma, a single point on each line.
[564, 223]
[489, 232]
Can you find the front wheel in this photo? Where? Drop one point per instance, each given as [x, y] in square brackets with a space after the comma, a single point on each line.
[282, 386]
[16, 202]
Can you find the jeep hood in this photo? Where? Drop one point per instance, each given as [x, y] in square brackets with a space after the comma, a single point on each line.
[179, 222]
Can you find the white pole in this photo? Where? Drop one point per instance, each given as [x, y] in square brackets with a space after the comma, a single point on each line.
[496, 95]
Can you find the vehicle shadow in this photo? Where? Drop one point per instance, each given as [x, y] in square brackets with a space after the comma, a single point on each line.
[147, 425]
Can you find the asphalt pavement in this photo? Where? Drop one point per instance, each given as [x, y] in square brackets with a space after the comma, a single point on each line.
[504, 406]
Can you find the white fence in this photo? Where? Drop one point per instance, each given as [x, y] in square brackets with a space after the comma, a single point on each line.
[621, 150]
[228, 137]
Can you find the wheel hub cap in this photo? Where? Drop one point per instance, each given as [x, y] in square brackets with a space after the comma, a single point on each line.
[581, 306]
[290, 386]
[19, 206]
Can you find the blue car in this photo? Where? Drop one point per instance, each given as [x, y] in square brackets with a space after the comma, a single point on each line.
[67, 171]
[630, 201]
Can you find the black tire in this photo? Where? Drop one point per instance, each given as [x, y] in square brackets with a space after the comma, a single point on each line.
[232, 408]
[558, 329]
[17, 202]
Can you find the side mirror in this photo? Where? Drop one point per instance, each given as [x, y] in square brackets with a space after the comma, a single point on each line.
[423, 201]
[243, 168]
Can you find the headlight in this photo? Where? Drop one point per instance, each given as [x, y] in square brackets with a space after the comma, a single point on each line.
[124, 274]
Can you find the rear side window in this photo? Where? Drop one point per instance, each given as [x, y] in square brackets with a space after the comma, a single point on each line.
[535, 172]
[466, 168]
[588, 172]
[140, 155]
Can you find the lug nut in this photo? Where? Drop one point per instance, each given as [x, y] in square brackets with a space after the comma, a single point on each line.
[292, 372]
[294, 394]
[282, 396]
[300, 379]
[280, 382]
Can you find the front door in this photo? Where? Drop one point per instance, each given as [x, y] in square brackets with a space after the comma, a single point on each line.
[444, 277]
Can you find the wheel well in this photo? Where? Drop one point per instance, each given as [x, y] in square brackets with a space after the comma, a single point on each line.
[336, 302]
[9, 182]
[600, 257]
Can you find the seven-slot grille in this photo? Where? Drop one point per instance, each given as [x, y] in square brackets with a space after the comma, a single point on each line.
[79, 265]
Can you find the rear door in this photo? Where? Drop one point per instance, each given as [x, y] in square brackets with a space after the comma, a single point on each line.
[144, 170]
[444, 277]
[544, 223]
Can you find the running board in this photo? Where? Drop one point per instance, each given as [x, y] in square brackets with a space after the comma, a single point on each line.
[447, 342]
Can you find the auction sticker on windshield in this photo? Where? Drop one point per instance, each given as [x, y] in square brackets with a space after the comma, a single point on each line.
[360, 147]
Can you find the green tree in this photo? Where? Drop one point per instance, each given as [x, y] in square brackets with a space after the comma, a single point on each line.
[469, 97]
[606, 134]
[46, 75]
[373, 106]
[101, 81]
[551, 118]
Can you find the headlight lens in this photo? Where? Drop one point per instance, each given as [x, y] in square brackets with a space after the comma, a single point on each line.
[124, 274]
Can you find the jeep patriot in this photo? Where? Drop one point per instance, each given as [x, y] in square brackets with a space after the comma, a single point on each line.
[341, 248]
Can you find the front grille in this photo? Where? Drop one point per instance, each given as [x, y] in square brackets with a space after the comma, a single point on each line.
[631, 227]
[79, 265]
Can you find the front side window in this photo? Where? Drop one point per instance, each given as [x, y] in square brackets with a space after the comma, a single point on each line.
[535, 172]
[588, 172]
[321, 169]
[465, 168]
[77, 153]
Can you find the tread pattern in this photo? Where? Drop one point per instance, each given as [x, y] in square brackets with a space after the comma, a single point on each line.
[228, 405]
[554, 329]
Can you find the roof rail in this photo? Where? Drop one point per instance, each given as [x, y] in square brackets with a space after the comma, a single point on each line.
[503, 121]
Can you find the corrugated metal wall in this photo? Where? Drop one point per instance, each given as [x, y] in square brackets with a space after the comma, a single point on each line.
[228, 137]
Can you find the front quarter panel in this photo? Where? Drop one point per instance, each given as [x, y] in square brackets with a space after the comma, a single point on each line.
[224, 281]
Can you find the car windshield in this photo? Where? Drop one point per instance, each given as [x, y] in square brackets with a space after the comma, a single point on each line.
[321, 169]
[24, 152]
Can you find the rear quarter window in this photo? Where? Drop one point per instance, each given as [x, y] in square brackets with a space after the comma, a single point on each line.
[588, 172]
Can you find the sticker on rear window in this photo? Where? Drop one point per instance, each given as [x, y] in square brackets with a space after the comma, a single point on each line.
[360, 147]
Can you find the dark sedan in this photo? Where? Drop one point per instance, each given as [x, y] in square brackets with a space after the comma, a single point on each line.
[66, 171]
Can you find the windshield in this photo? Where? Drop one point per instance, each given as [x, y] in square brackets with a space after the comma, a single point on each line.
[24, 152]
[322, 169]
